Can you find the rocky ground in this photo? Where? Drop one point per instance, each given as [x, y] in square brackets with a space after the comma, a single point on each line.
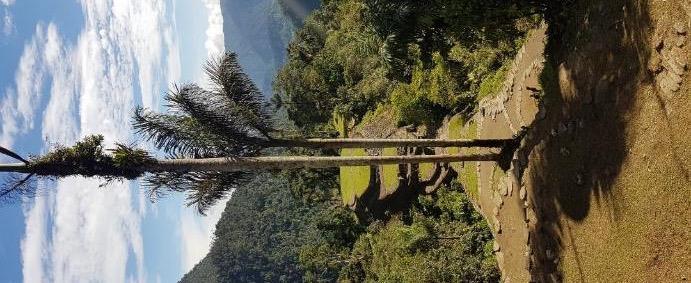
[599, 190]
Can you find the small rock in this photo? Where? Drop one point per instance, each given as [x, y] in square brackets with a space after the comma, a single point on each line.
[655, 64]
[554, 277]
[504, 189]
[658, 42]
[498, 201]
[564, 151]
[526, 203]
[556, 261]
[522, 193]
[680, 28]
[554, 132]
[579, 179]
[495, 247]
[673, 66]
[669, 82]
[681, 41]
[530, 215]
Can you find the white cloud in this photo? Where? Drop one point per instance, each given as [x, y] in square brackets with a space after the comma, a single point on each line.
[7, 2]
[197, 234]
[7, 23]
[214, 32]
[94, 232]
[125, 52]
[19, 104]
[33, 246]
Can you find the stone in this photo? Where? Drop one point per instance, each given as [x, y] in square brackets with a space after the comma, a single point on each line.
[530, 216]
[498, 201]
[680, 41]
[655, 64]
[554, 277]
[680, 28]
[665, 85]
[658, 42]
[522, 193]
[675, 78]
[673, 66]
[496, 247]
[553, 132]
[668, 82]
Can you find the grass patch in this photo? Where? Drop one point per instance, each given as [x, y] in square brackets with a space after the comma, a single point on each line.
[354, 179]
[389, 173]
[425, 171]
[467, 171]
[492, 84]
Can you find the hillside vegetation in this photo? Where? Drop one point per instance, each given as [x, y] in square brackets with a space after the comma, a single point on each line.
[352, 59]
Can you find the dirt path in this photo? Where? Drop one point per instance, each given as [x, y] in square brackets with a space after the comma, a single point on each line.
[608, 171]
[501, 196]
[600, 189]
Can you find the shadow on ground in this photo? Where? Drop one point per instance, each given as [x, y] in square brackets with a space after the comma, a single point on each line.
[597, 55]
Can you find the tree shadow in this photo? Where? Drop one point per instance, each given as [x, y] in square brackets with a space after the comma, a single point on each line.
[597, 54]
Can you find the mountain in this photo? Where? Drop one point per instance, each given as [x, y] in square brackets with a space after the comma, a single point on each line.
[259, 32]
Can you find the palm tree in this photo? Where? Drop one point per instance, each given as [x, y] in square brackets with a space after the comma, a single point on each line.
[213, 138]
[204, 179]
[230, 118]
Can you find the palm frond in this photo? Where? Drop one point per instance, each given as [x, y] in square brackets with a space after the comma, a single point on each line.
[211, 111]
[12, 154]
[203, 189]
[16, 186]
[179, 136]
[229, 80]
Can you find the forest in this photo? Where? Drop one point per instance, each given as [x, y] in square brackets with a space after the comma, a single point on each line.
[351, 60]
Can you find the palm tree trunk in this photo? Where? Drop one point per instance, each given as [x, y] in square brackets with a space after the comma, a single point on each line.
[232, 164]
[384, 143]
[15, 167]
[291, 162]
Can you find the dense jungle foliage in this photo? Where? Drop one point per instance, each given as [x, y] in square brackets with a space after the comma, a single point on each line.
[425, 60]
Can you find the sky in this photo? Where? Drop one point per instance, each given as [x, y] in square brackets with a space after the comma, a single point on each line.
[70, 68]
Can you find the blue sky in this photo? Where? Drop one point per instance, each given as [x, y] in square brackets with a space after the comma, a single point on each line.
[69, 68]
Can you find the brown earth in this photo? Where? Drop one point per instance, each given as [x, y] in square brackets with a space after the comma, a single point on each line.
[609, 167]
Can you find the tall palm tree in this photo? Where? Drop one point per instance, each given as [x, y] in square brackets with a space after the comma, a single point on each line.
[213, 138]
[206, 180]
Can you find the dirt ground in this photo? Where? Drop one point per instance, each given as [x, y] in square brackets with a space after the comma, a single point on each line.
[609, 166]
